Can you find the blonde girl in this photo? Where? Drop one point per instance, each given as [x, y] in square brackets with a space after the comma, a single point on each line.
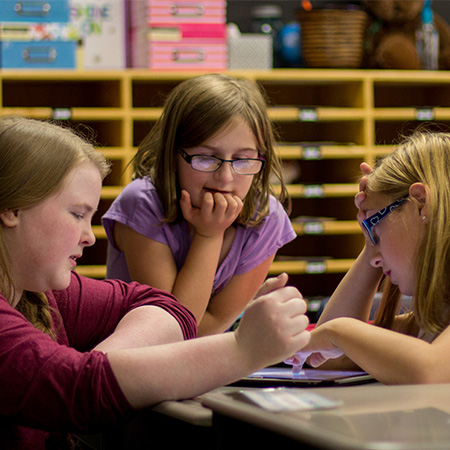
[404, 207]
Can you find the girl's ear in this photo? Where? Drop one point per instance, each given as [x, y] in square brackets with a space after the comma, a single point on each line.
[419, 193]
[10, 218]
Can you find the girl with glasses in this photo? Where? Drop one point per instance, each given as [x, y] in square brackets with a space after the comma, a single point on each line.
[200, 219]
[404, 210]
[78, 354]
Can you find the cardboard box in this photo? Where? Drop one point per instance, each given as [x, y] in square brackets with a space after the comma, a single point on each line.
[250, 51]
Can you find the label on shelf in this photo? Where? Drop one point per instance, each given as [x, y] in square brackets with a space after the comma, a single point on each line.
[313, 228]
[61, 113]
[316, 267]
[424, 114]
[313, 190]
[307, 115]
[311, 152]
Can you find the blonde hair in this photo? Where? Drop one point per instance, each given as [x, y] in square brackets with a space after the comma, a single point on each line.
[194, 111]
[423, 157]
[35, 158]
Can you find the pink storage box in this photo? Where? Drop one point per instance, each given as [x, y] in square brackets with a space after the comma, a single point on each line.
[181, 47]
[153, 12]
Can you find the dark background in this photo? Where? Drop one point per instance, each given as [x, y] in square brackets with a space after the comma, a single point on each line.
[239, 11]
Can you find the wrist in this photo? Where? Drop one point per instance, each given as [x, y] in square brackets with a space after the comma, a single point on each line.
[209, 235]
[338, 328]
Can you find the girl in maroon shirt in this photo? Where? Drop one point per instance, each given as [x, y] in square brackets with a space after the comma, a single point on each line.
[78, 354]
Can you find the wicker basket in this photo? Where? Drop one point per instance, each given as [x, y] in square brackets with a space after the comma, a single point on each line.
[332, 37]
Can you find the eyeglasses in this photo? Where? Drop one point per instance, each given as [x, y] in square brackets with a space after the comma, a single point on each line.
[375, 219]
[204, 163]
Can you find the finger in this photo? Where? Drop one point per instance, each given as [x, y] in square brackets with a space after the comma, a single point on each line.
[220, 201]
[185, 203]
[316, 359]
[207, 205]
[294, 302]
[363, 183]
[365, 168]
[297, 360]
[271, 284]
[235, 206]
[359, 199]
[230, 205]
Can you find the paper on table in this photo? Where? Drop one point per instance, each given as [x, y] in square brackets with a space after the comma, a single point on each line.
[286, 399]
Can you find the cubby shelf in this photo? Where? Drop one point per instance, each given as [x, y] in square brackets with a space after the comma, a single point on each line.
[327, 122]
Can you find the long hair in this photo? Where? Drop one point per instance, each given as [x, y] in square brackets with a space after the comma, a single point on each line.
[194, 111]
[35, 158]
[423, 157]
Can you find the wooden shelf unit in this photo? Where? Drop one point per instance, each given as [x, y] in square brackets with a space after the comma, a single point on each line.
[328, 122]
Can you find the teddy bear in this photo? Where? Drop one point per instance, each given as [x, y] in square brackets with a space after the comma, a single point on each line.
[390, 41]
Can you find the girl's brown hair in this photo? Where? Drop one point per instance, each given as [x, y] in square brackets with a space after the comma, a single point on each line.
[35, 158]
[194, 111]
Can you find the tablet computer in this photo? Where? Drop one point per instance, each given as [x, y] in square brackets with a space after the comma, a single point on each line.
[283, 376]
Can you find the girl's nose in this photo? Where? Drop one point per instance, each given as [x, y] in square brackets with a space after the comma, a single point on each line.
[225, 172]
[88, 237]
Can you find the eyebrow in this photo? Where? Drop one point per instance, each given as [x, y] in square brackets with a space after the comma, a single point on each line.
[213, 148]
[86, 206]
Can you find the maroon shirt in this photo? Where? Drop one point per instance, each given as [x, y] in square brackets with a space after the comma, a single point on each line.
[63, 386]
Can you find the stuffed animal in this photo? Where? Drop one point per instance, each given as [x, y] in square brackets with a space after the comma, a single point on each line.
[390, 42]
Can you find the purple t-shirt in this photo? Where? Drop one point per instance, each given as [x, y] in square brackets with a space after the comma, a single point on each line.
[139, 207]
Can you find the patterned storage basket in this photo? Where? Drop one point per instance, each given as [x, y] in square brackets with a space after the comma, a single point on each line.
[332, 37]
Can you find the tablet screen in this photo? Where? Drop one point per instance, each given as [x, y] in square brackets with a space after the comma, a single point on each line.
[283, 376]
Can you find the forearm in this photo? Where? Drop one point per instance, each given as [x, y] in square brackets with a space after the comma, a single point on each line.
[391, 357]
[194, 281]
[271, 329]
[181, 370]
[354, 295]
[143, 326]
[213, 324]
[227, 305]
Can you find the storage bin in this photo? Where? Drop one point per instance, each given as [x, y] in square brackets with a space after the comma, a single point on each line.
[101, 27]
[250, 51]
[332, 38]
[34, 11]
[38, 54]
[153, 12]
[181, 47]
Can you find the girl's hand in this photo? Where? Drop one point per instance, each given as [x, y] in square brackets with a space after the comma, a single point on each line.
[319, 349]
[274, 324]
[361, 196]
[216, 213]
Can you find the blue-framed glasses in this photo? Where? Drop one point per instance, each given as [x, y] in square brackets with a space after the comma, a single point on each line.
[375, 219]
[206, 163]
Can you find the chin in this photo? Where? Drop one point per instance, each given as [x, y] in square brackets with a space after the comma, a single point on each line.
[61, 284]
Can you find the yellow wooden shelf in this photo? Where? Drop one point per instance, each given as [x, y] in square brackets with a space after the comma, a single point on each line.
[332, 227]
[327, 121]
[318, 151]
[295, 267]
[320, 190]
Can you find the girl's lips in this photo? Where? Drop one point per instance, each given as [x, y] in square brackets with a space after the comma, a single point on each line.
[73, 259]
[213, 191]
